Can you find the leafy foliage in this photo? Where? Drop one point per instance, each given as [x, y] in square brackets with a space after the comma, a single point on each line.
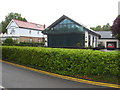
[115, 28]
[65, 61]
[101, 28]
[9, 42]
[8, 18]
[31, 44]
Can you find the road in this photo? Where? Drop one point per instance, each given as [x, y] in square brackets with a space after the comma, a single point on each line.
[16, 77]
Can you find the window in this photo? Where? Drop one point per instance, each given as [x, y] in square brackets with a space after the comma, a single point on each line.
[38, 32]
[30, 32]
[38, 25]
[68, 25]
[12, 31]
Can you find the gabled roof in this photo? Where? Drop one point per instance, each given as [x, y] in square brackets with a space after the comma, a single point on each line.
[105, 34]
[28, 25]
[65, 17]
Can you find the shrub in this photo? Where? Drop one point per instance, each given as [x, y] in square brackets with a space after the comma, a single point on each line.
[89, 47]
[65, 61]
[78, 44]
[31, 44]
[9, 42]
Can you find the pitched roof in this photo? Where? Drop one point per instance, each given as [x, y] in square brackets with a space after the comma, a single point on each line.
[28, 25]
[65, 17]
[105, 34]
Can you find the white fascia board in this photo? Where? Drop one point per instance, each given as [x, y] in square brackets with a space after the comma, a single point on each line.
[11, 23]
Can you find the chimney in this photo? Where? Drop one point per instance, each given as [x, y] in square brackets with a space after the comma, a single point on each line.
[44, 26]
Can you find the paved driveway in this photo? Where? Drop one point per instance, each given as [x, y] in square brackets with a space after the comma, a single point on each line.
[109, 50]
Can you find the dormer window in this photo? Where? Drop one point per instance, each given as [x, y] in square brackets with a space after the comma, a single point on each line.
[38, 25]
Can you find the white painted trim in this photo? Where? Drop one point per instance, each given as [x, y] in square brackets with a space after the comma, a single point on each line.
[11, 23]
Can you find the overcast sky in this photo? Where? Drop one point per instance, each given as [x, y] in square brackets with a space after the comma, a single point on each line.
[88, 12]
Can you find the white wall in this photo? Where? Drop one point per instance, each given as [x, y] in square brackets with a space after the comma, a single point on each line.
[25, 32]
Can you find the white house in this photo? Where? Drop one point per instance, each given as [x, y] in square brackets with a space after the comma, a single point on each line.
[24, 31]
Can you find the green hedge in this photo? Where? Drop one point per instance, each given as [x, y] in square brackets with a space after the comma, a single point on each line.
[34, 44]
[65, 61]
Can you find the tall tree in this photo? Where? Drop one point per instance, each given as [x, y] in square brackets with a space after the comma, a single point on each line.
[101, 28]
[7, 20]
[115, 28]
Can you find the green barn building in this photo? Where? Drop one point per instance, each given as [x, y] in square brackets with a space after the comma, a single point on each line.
[66, 32]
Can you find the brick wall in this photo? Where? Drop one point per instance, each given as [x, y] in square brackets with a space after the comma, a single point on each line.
[33, 39]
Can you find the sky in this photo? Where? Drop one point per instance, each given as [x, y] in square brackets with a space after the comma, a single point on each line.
[87, 12]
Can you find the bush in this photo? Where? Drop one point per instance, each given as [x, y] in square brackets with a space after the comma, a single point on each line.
[8, 42]
[34, 44]
[89, 47]
[65, 61]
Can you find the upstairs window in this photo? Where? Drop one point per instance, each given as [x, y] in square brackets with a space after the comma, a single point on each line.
[12, 31]
[38, 32]
[30, 32]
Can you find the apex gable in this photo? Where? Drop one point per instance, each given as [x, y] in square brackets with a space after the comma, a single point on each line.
[12, 24]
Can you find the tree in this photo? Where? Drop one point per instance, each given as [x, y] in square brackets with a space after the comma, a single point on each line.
[106, 27]
[97, 28]
[8, 18]
[115, 28]
[8, 41]
[101, 28]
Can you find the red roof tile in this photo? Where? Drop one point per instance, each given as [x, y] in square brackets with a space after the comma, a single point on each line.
[29, 25]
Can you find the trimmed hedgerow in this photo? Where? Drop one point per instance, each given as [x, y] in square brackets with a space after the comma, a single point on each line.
[65, 61]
